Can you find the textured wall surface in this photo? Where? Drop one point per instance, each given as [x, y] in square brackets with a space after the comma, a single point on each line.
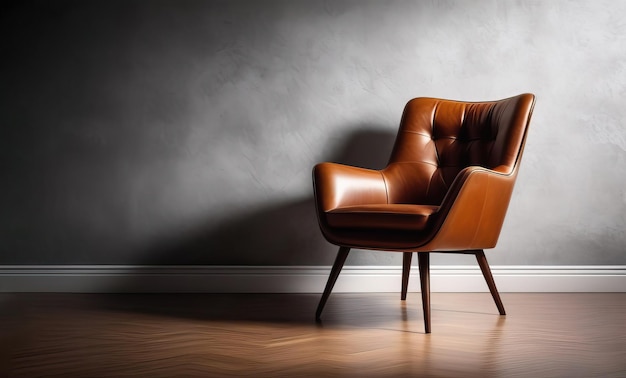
[184, 132]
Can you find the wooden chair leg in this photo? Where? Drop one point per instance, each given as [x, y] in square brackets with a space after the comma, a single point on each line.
[406, 270]
[334, 273]
[484, 267]
[423, 259]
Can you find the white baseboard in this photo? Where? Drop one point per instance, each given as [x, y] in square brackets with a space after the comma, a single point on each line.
[301, 279]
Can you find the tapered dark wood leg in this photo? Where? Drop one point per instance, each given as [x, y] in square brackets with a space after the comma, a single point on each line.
[334, 273]
[406, 270]
[423, 260]
[484, 267]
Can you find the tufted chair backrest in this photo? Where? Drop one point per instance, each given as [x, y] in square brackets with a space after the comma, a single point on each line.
[439, 138]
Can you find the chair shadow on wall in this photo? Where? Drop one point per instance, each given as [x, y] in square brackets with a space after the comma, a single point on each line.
[285, 232]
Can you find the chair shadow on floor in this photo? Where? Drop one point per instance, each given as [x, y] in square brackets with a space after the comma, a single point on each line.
[349, 310]
[277, 234]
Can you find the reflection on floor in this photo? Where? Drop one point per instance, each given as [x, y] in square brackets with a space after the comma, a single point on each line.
[361, 335]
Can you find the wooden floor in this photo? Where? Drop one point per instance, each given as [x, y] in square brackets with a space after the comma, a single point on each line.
[361, 335]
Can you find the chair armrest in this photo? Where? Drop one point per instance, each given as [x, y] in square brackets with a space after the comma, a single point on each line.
[472, 212]
[338, 185]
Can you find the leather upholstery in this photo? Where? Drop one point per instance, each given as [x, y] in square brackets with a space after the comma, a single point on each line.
[447, 185]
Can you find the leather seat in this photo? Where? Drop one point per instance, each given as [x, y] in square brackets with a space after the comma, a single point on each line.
[446, 188]
[385, 216]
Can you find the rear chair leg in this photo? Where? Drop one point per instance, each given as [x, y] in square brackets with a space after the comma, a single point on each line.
[334, 273]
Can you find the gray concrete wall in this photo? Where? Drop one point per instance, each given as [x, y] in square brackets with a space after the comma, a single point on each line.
[184, 132]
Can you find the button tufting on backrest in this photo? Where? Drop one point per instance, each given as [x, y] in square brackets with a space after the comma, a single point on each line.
[439, 138]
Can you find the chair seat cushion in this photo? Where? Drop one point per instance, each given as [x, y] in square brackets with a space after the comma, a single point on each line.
[382, 216]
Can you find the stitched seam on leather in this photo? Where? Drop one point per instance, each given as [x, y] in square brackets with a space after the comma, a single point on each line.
[453, 166]
[482, 213]
[418, 133]
[418, 162]
[428, 187]
[432, 130]
[438, 165]
[386, 187]
[443, 179]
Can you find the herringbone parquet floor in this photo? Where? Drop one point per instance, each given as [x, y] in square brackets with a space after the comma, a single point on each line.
[362, 335]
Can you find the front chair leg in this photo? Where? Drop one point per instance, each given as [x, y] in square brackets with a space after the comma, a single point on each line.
[423, 260]
[484, 267]
[406, 270]
[334, 273]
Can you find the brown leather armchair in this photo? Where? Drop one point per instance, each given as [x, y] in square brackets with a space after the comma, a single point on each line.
[446, 188]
